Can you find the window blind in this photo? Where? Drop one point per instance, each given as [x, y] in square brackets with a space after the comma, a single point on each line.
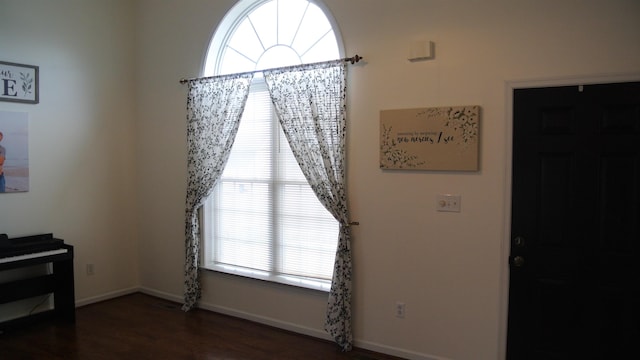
[265, 217]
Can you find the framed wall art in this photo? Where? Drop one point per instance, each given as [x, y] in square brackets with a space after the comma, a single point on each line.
[438, 138]
[19, 83]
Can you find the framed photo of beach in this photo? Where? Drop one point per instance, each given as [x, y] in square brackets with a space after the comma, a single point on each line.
[14, 152]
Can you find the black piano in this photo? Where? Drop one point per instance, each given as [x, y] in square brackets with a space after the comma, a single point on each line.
[27, 251]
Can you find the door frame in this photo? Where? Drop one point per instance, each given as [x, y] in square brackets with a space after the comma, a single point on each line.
[505, 245]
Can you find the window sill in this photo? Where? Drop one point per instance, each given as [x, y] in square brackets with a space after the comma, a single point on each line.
[297, 281]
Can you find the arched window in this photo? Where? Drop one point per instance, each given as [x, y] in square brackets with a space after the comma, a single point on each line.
[263, 220]
[261, 34]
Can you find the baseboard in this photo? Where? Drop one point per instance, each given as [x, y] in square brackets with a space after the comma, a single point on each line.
[242, 315]
[106, 296]
[317, 333]
[161, 294]
[393, 351]
[320, 334]
[267, 321]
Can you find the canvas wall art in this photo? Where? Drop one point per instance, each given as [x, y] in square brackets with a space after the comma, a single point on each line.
[14, 151]
[439, 138]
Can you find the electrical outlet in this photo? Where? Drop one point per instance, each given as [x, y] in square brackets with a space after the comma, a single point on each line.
[400, 309]
[90, 270]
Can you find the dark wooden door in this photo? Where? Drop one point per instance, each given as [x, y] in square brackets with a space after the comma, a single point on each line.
[575, 237]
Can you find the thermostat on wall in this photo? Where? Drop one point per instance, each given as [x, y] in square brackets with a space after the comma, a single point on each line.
[448, 202]
[421, 50]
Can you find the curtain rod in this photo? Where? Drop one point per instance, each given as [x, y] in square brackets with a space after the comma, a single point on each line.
[354, 59]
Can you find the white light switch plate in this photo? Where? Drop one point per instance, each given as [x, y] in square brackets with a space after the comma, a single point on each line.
[448, 202]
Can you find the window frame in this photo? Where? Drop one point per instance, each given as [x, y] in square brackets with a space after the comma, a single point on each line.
[211, 65]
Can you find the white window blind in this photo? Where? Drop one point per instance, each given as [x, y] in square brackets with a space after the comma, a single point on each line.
[263, 218]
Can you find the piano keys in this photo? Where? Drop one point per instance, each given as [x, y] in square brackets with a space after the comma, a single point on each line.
[32, 255]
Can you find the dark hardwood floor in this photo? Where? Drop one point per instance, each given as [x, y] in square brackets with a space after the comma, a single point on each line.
[140, 327]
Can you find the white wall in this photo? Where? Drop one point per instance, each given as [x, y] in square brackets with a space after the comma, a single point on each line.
[108, 151]
[81, 134]
[447, 267]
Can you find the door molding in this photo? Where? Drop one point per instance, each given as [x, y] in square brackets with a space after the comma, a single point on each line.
[505, 244]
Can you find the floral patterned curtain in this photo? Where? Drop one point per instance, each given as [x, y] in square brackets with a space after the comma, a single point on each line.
[310, 103]
[214, 109]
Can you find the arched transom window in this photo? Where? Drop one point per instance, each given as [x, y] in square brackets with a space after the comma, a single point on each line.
[259, 35]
